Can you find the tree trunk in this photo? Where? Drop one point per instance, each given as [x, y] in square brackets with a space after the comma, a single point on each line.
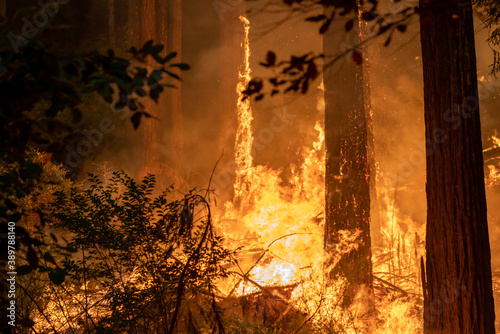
[147, 24]
[459, 296]
[347, 169]
[174, 43]
[112, 24]
[3, 9]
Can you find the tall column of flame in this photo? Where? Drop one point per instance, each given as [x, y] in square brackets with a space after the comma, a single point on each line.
[244, 136]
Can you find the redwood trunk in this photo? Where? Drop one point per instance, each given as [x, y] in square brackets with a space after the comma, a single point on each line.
[459, 296]
[347, 167]
[174, 42]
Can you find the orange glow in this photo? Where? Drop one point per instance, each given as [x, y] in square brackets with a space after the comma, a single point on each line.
[280, 231]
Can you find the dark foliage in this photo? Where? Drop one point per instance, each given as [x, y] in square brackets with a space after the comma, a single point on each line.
[41, 89]
[143, 263]
[296, 74]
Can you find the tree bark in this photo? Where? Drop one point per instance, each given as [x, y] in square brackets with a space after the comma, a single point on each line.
[347, 169]
[3, 9]
[147, 20]
[174, 43]
[459, 296]
[112, 24]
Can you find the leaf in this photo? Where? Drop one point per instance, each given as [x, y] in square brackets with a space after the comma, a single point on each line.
[49, 258]
[155, 49]
[316, 18]
[23, 270]
[312, 71]
[57, 276]
[132, 105]
[182, 66]
[349, 25]
[325, 26]
[106, 92]
[136, 120]
[141, 92]
[388, 41]
[32, 258]
[121, 104]
[254, 86]
[270, 59]
[173, 75]
[169, 57]
[155, 92]
[369, 16]
[145, 48]
[357, 57]
[305, 87]
[275, 82]
[53, 236]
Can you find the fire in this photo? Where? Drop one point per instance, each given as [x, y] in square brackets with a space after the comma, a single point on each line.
[493, 176]
[275, 223]
[280, 231]
[244, 136]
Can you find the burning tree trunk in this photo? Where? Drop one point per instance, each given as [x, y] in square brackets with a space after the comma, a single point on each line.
[347, 168]
[458, 295]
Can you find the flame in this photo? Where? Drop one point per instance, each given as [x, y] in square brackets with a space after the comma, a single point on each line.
[280, 231]
[244, 136]
[493, 176]
[273, 222]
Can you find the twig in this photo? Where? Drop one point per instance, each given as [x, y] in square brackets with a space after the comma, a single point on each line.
[392, 286]
[310, 317]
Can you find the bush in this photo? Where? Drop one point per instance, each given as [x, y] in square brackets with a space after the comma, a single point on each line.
[144, 263]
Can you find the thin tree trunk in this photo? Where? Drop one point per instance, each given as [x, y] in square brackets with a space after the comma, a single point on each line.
[459, 296]
[175, 98]
[112, 24]
[3, 9]
[347, 168]
[146, 149]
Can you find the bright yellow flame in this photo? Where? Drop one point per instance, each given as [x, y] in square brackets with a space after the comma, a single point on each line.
[244, 136]
[493, 177]
[279, 226]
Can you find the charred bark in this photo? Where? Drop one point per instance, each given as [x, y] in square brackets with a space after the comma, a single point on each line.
[458, 269]
[347, 167]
